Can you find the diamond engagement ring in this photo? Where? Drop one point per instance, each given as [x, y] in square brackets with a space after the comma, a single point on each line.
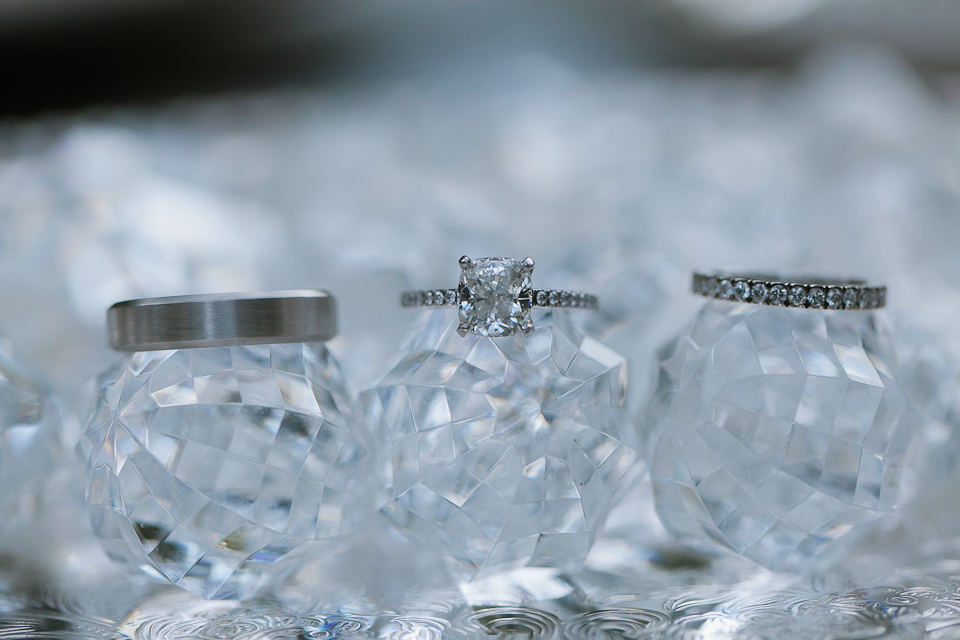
[802, 293]
[494, 297]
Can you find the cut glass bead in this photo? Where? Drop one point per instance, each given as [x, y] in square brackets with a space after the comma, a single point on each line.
[778, 430]
[207, 466]
[502, 452]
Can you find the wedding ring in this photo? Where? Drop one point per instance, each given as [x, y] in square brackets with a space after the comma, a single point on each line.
[494, 297]
[222, 320]
[802, 293]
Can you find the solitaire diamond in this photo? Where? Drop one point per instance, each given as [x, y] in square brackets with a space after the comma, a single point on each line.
[490, 304]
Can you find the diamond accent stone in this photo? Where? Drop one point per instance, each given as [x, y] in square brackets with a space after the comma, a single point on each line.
[797, 296]
[726, 289]
[208, 466]
[712, 286]
[741, 291]
[502, 453]
[489, 296]
[816, 297]
[541, 298]
[777, 295]
[778, 431]
[851, 299]
[758, 293]
[835, 299]
[553, 299]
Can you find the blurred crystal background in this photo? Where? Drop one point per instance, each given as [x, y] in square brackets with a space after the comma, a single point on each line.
[182, 147]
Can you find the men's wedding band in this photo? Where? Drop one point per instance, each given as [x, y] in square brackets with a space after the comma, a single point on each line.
[222, 320]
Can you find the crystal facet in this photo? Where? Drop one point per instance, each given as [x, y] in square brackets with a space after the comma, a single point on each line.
[777, 430]
[502, 452]
[206, 466]
[490, 296]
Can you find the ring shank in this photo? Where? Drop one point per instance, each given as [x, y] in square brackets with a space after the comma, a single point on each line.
[222, 320]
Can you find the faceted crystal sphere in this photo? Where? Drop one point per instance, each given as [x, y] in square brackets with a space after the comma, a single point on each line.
[778, 430]
[29, 438]
[490, 296]
[207, 466]
[502, 452]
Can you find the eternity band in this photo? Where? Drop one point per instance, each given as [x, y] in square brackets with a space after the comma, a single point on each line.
[494, 297]
[222, 320]
[803, 293]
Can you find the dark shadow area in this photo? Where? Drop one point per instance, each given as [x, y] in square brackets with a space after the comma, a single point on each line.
[71, 55]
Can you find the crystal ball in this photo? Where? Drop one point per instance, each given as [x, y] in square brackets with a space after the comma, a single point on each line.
[501, 452]
[209, 466]
[777, 432]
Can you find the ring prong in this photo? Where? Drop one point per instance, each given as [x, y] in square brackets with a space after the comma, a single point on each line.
[465, 262]
[527, 327]
[528, 264]
[463, 331]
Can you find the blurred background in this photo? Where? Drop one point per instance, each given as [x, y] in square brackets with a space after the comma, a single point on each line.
[68, 54]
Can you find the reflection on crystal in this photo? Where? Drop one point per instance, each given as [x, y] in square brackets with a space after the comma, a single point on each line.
[207, 466]
[502, 452]
[778, 430]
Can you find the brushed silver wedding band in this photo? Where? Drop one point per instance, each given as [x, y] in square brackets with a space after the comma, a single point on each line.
[222, 320]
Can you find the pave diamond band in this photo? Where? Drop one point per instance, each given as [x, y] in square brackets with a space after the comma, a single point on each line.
[802, 293]
[529, 297]
[494, 297]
